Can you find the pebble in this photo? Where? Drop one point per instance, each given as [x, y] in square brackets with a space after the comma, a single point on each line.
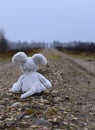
[56, 99]
[27, 117]
[85, 129]
[10, 123]
[41, 122]
[20, 116]
[16, 104]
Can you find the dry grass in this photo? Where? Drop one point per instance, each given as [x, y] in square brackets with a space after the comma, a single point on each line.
[81, 55]
[6, 56]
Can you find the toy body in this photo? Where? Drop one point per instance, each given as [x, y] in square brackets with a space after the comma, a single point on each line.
[30, 82]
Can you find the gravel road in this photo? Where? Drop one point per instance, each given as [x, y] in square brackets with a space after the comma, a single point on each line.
[70, 105]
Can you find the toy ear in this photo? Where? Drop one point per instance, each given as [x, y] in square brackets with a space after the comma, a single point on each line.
[19, 58]
[39, 59]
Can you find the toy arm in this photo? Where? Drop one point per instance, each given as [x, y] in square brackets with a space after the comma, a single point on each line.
[44, 81]
[17, 86]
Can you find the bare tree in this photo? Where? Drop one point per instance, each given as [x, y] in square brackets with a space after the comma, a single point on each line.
[3, 42]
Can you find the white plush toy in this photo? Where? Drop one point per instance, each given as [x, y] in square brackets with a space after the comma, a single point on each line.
[30, 82]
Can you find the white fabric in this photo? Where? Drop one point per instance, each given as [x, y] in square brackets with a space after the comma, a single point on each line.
[31, 81]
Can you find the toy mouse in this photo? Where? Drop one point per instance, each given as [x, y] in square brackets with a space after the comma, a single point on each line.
[31, 81]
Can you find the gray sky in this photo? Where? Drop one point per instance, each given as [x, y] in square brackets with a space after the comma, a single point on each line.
[48, 20]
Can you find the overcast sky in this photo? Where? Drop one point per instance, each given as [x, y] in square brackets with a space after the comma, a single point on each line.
[48, 20]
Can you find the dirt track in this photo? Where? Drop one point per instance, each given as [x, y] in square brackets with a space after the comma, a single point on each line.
[70, 105]
[82, 64]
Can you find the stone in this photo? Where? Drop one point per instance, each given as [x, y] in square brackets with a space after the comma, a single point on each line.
[42, 122]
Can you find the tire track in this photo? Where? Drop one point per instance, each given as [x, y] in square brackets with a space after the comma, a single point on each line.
[83, 65]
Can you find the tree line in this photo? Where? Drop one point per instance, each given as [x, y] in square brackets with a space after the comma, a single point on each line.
[6, 45]
[75, 46]
[79, 46]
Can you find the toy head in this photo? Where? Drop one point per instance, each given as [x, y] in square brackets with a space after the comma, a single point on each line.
[29, 63]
